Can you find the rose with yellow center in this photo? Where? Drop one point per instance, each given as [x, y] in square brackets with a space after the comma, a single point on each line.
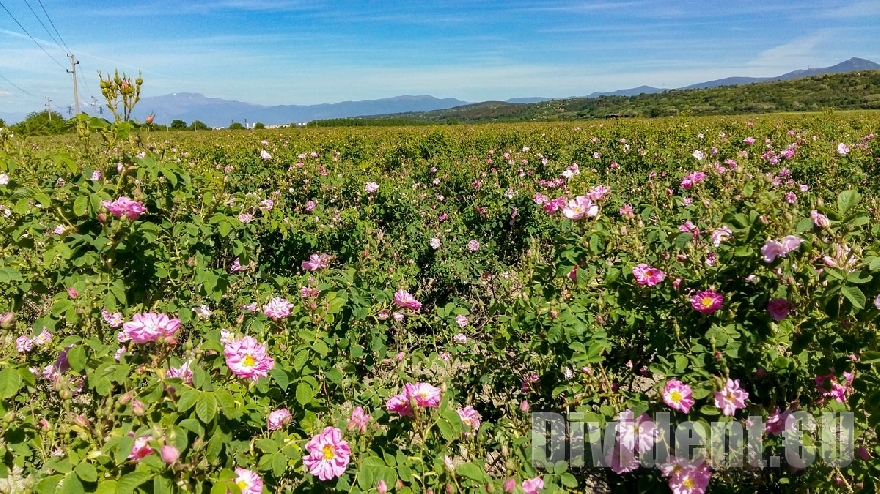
[707, 302]
[248, 361]
[329, 452]
[675, 396]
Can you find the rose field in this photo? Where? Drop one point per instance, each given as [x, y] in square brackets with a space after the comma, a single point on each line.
[387, 309]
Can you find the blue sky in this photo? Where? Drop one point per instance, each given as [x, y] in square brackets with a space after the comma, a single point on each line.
[308, 51]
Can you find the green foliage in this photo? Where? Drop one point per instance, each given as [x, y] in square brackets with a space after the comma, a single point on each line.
[236, 126]
[41, 124]
[226, 229]
[178, 125]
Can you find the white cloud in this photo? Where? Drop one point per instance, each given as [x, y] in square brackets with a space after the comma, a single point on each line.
[795, 54]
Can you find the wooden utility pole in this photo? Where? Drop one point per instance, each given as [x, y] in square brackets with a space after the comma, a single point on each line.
[49, 108]
[73, 64]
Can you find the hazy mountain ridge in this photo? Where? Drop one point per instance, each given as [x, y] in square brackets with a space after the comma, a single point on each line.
[216, 112]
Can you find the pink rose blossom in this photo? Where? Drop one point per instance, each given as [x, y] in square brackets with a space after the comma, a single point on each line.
[423, 395]
[531, 486]
[579, 207]
[359, 420]
[169, 454]
[404, 299]
[645, 275]
[140, 449]
[779, 308]
[247, 358]
[123, 206]
[183, 372]
[461, 320]
[316, 262]
[371, 187]
[707, 301]
[249, 482]
[819, 219]
[473, 245]
[277, 308]
[149, 327]
[470, 418]
[328, 454]
[635, 433]
[678, 396]
[731, 398]
[278, 419]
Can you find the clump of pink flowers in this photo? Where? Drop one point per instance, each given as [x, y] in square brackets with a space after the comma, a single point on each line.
[277, 308]
[247, 358]
[707, 301]
[780, 248]
[358, 420]
[149, 327]
[470, 418]
[420, 395]
[645, 275]
[123, 206]
[692, 179]
[328, 454]
[316, 262]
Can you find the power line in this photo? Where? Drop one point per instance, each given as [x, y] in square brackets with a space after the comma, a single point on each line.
[53, 25]
[31, 37]
[41, 23]
[20, 89]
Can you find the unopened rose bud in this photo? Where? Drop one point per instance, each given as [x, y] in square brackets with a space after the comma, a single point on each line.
[102, 217]
[169, 454]
[760, 372]
[72, 292]
[382, 487]
[149, 119]
[524, 406]
[81, 421]
[509, 485]
[65, 394]
[717, 355]
[137, 408]
[553, 314]
[124, 399]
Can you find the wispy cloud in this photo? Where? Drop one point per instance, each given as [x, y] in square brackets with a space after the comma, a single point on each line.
[793, 54]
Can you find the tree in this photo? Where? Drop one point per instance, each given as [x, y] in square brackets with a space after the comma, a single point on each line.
[178, 125]
[236, 126]
[2, 124]
[41, 124]
[259, 125]
[198, 125]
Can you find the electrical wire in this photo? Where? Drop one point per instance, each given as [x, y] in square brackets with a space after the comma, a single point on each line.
[29, 36]
[53, 25]
[17, 87]
[42, 23]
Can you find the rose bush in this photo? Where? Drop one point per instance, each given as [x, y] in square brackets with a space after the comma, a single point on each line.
[238, 312]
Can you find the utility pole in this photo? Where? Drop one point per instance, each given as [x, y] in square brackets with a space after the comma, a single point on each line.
[69, 110]
[49, 108]
[73, 64]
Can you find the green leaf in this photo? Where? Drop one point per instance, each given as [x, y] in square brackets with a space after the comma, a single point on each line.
[76, 356]
[280, 376]
[471, 471]
[131, 481]
[72, 485]
[187, 399]
[804, 225]
[304, 393]
[855, 296]
[49, 485]
[87, 472]
[206, 407]
[9, 275]
[847, 200]
[107, 487]
[10, 382]
[81, 205]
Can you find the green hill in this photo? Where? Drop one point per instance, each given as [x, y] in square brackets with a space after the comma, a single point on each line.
[848, 91]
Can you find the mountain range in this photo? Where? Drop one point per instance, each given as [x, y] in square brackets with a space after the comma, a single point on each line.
[217, 112]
